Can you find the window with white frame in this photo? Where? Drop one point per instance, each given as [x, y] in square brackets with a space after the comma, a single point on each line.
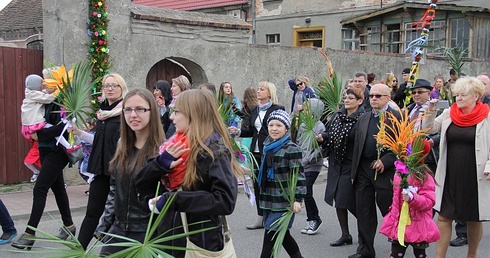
[373, 38]
[273, 39]
[350, 39]
[460, 33]
[437, 36]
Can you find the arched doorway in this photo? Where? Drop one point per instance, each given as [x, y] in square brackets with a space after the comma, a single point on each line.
[172, 67]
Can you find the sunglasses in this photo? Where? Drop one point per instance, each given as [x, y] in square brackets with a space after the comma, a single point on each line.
[378, 96]
[299, 84]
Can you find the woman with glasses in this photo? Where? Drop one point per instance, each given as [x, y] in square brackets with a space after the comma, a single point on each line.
[104, 144]
[141, 135]
[463, 169]
[338, 139]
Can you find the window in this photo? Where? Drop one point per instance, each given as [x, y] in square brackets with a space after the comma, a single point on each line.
[437, 36]
[38, 45]
[392, 38]
[460, 33]
[273, 39]
[373, 39]
[313, 36]
[350, 39]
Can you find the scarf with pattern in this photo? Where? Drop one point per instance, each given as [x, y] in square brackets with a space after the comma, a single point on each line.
[339, 130]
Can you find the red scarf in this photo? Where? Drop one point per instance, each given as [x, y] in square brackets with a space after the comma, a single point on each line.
[477, 115]
[174, 179]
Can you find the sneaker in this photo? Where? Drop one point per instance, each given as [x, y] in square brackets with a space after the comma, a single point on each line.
[7, 238]
[63, 235]
[314, 226]
[308, 226]
[34, 178]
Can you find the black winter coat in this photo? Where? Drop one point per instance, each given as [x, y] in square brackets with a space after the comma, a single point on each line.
[208, 201]
[251, 131]
[105, 142]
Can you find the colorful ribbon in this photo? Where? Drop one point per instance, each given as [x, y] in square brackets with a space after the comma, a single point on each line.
[67, 123]
[404, 219]
[417, 46]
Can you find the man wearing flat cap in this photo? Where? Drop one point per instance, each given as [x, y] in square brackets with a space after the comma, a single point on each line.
[421, 96]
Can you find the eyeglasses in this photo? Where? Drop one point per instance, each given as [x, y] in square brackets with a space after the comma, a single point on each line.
[378, 96]
[299, 84]
[110, 86]
[138, 110]
[349, 98]
[395, 81]
[420, 92]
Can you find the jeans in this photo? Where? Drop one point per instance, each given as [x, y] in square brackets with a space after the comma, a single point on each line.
[99, 189]
[310, 203]
[6, 221]
[50, 177]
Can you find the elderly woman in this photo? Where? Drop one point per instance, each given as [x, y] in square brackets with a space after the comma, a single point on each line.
[463, 170]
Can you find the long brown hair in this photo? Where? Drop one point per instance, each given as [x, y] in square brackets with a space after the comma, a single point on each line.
[200, 108]
[250, 99]
[123, 160]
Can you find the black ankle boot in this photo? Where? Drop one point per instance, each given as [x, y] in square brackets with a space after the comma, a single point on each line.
[344, 240]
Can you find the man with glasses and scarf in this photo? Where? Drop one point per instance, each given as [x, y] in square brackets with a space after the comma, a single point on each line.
[371, 176]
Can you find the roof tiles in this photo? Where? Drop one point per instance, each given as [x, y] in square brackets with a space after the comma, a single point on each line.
[22, 14]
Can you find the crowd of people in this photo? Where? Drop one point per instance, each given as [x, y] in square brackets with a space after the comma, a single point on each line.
[184, 138]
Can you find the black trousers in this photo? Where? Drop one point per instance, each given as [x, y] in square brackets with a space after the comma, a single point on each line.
[310, 203]
[99, 189]
[53, 161]
[368, 194]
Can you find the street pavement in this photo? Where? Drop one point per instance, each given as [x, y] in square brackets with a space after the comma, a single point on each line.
[248, 243]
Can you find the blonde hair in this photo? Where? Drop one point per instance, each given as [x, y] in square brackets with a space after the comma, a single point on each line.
[204, 120]
[467, 85]
[182, 82]
[271, 88]
[303, 79]
[120, 81]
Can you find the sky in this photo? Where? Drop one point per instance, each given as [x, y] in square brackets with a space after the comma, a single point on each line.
[4, 3]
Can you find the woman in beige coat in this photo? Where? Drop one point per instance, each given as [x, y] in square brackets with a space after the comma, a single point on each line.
[463, 171]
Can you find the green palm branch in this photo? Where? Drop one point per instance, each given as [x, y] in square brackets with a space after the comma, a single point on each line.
[329, 90]
[281, 225]
[75, 95]
[307, 122]
[151, 246]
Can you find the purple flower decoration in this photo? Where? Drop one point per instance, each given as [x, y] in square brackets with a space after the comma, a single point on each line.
[409, 149]
[401, 167]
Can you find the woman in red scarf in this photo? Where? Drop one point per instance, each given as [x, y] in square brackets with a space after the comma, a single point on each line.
[463, 171]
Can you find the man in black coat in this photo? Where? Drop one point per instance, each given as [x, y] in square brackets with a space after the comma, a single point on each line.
[371, 176]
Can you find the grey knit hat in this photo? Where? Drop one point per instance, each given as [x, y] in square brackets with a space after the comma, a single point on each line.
[282, 116]
[34, 82]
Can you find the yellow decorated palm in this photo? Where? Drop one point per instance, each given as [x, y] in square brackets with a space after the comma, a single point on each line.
[58, 76]
[403, 133]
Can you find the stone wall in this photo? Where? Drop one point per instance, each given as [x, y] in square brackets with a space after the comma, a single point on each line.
[135, 47]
